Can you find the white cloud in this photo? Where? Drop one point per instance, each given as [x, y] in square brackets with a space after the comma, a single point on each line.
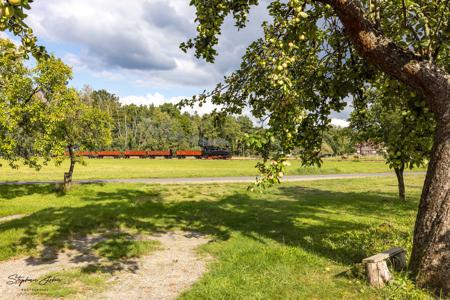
[158, 99]
[139, 40]
[340, 122]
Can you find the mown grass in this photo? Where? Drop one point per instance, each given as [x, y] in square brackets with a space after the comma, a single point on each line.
[297, 241]
[147, 168]
[70, 283]
[119, 246]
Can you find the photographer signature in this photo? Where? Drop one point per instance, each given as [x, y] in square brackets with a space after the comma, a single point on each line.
[19, 280]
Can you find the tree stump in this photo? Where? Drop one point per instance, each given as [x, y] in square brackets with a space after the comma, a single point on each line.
[377, 268]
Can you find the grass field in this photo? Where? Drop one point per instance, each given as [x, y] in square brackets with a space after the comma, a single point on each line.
[146, 168]
[296, 241]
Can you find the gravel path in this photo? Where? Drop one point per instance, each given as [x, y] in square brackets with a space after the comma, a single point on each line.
[206, 180]
[164, 274]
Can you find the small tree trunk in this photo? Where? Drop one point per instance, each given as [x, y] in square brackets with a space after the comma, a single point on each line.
[430, 260]
[401, 182]
[68, 175]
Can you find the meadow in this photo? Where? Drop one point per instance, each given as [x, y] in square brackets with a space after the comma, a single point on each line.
[296, 241]
[160, 168]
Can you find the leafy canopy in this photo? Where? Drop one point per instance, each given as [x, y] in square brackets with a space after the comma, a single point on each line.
[388, 114]
[40, 116]
[305, 66]
[30, 102]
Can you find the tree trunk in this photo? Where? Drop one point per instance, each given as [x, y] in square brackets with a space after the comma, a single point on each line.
[430, 260]
[68, 175]
[401, 182]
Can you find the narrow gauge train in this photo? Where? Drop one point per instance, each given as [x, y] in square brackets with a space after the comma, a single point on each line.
[208, 152]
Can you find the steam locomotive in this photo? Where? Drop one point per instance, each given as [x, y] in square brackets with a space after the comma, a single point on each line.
[207, 152]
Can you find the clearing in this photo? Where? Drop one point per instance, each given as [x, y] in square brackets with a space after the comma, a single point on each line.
[160, 168]
[296, 241]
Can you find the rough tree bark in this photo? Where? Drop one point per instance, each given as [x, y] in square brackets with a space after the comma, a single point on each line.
[401, 182]
[430, 261]
[68, 175]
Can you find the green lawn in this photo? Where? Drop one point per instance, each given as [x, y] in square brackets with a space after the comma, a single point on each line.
[146, 168]
[297, 241]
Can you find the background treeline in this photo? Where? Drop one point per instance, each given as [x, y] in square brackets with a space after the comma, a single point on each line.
[167, 127]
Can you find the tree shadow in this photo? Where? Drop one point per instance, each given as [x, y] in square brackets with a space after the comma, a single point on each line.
[312, 219]
[13, 191]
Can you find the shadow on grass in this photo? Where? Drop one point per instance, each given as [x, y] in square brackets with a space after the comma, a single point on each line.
[316, 220]
[13, 191]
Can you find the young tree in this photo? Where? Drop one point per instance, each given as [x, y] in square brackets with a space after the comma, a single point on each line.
[41, 117]
[399, 122]
[340, 140]
[82, 127]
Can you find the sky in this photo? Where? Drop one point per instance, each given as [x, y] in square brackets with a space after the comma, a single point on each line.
[131, 48]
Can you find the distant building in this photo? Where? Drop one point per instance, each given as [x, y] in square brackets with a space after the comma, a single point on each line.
[368, 148]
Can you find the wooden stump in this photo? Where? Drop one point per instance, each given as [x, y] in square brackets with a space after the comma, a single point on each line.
[377, 269]
[378, 274]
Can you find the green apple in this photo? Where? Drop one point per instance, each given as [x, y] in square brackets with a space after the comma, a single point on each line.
[15, 2]
[8, 11]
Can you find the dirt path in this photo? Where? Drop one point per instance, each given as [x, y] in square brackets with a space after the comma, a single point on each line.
[207, 180]
[10, 218]
[165, 273]
[162, 275]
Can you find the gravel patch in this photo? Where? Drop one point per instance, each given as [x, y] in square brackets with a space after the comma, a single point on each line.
[164, 274]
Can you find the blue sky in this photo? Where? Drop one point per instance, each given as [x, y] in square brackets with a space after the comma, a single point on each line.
[131, 48]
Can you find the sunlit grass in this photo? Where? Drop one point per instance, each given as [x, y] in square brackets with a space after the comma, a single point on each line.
[296, 241]
[160, 168]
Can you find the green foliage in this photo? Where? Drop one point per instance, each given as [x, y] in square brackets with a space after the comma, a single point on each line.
[389, 114]
[340, 140]
[12, 15]
[166, 127]
[41, 116]
[305, 66]
[32, 102]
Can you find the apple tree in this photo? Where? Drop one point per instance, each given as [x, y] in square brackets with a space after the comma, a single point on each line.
[387, 114]
[316, 54]
[27, 95]
[40, 116]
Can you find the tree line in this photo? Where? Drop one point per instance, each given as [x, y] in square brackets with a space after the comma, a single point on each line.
[150, 127]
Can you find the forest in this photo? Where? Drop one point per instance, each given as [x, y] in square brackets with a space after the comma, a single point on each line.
[168, 127]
